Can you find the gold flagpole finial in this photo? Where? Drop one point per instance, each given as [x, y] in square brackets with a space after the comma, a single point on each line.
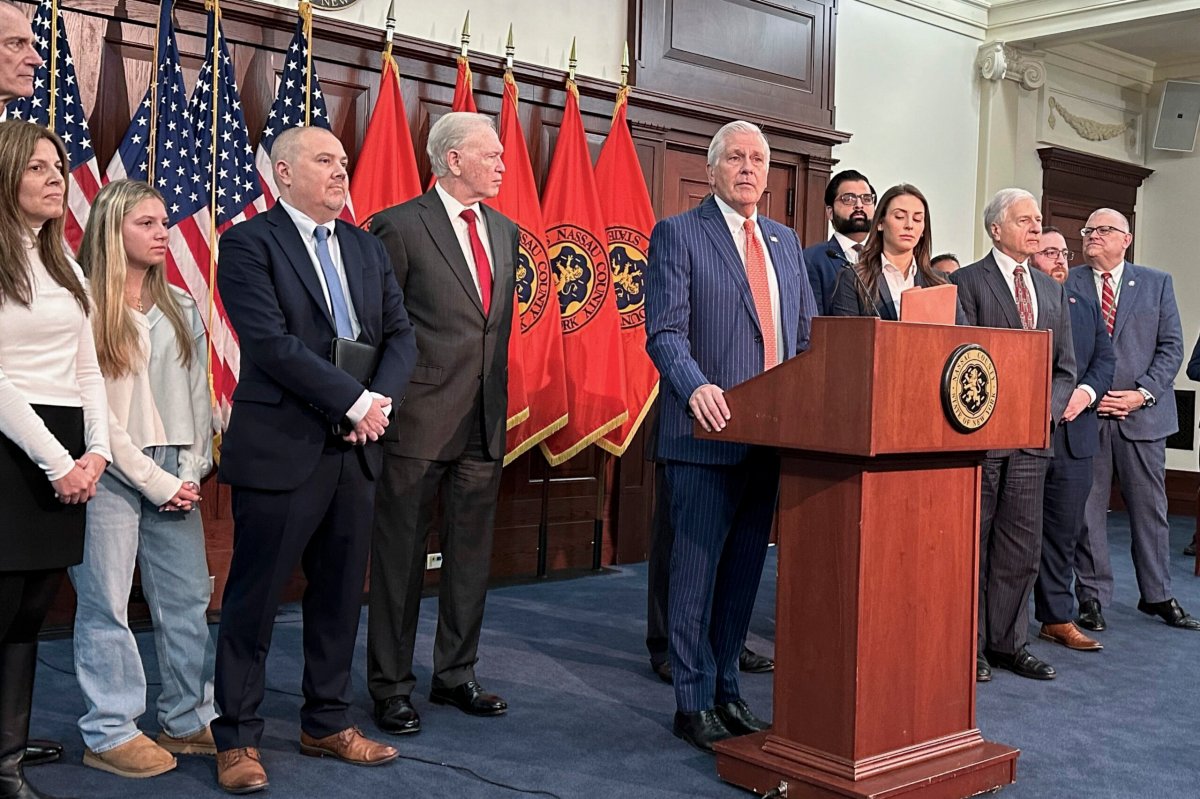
[466, 36]
[509, 50]
[390, 26]
[572, 61]
[625, 66]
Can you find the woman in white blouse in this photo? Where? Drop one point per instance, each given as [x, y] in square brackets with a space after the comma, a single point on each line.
[53, 418]
[152, 351]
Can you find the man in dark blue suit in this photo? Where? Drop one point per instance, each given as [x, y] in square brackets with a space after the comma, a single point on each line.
[1075, 441]
[1136, 416]
[302, 451]
[849, 207]
[727, 297]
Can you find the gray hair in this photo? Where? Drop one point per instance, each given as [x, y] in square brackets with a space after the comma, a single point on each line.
[450, 133]
[1124, 219]
[998, 206]
[717, 146]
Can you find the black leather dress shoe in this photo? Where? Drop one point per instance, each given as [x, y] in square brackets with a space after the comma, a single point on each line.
[469, 698]
[1190, 549]
[39, 752]
[738, 719]
[1170, 612]
[754, 663]
[983, 669]
[396, 716]
[663, 670]
[1023, 663]
[701, 729]
[1090, 617]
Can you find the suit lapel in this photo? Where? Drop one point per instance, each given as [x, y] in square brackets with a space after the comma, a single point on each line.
[789, 293]
[288, 236]
[501, 267]
[887, 304]
[714, 226]
[352, 261]
[1126, 297]
[1004, 297]
[1042, 289]
[437, 222]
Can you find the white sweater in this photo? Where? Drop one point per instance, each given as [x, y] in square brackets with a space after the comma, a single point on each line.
[48, 357]
[163, 404]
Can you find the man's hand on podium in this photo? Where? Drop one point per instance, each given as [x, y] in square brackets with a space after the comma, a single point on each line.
[707, 404]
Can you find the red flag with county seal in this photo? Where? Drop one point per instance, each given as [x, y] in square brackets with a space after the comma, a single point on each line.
[630, 218]
[537, 333]
[591, 324]
[386, 172]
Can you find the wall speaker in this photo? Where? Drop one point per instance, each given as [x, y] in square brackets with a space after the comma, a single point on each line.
[1178, 117]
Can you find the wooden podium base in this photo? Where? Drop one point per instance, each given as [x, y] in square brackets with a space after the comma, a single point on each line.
[963, 773]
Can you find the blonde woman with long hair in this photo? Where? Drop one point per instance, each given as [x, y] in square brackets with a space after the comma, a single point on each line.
[53, 418]
[152, 351]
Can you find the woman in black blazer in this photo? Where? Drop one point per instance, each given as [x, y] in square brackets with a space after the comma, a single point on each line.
[898, 250]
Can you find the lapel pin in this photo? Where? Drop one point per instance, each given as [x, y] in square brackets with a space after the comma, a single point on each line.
[1131, 282]
[774, 239]
[1071, 300]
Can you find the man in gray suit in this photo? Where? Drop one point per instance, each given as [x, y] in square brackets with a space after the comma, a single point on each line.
[1136, 416]
[1001, 290]
[454, 259]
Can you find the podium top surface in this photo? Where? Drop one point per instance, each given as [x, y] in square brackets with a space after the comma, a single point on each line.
[868, 387]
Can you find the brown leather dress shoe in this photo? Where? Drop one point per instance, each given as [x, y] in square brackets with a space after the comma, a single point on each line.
[240, 771]
[1069, 636]
[349, 745]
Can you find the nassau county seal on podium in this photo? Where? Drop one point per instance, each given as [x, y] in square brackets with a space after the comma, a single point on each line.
[969, 388]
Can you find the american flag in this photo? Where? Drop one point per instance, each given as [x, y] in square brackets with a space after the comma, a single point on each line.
[191, 179]
[60, 90]
[296, 93]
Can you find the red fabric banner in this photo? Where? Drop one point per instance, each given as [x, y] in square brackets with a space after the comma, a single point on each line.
[386, 172]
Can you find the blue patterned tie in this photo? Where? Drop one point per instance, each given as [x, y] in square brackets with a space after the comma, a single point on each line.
[341, 313]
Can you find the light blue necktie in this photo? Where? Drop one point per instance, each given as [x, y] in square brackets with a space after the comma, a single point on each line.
[341, 313]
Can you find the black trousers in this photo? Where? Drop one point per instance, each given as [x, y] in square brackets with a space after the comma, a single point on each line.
[25, 597]
[1068, 483]
[406, 505]
[324, 525]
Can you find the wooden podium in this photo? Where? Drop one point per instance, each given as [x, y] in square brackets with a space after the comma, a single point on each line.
[878, 559]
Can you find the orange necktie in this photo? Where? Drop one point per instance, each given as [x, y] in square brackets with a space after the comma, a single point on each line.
[756, 273]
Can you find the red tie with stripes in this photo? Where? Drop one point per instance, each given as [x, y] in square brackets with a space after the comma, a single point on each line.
[756, 273]
[1108, 301]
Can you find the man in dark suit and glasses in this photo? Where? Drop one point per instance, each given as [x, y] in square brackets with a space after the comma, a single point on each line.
[1001, 290]
[302, 451]
[1136, 416]
[849, 208]
[727, 297]
[455, 259]
[1075, 442]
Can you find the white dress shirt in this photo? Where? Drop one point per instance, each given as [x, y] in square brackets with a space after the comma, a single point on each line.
[848, 244]
[735, 220]
[454, 209]
[1098, 276]
[1007, 267]
[899, 280]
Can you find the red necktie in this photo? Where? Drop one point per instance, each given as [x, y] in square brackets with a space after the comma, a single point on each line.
[1024, 302]
[1108, 301]
[756, 273]
[483, 267]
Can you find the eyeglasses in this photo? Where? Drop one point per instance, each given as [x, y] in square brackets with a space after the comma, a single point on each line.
[1103, 230]
[1050, 252]
[850, 200]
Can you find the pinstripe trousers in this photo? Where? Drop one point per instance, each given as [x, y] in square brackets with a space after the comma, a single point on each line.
[1010, 547]
[722, 518]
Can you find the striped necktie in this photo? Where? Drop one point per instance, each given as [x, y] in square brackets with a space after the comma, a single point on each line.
[756, 273]
[1108, 301]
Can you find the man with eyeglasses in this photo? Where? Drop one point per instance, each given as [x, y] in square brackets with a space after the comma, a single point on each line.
[1139, 311]
[1001, 291]
[849, 207]
[1075, 441]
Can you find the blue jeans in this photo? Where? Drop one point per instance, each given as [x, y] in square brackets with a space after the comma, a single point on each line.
[124, 528]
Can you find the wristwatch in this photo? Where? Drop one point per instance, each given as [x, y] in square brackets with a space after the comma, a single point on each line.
[1148, 397]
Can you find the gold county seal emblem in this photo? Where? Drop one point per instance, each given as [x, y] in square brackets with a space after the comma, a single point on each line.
[333, 5]
[969, 388]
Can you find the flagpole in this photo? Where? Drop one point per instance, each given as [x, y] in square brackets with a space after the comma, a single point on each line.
[215, 7]
[390, 33]
[53, 65]
[154, 78]
[306, 15]
[465, 40]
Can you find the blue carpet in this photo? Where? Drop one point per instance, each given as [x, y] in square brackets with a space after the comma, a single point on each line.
[589, 719]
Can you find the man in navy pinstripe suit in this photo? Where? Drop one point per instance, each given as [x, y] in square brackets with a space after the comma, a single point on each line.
[727, 296]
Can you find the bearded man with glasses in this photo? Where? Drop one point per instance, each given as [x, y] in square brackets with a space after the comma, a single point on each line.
[849, 207]
[1137, 305]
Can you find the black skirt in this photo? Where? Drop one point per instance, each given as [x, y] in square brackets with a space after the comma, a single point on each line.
[36, 530]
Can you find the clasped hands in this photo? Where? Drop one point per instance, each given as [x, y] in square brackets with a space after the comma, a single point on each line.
[79, 485]
[1119, 404]
[372, 425]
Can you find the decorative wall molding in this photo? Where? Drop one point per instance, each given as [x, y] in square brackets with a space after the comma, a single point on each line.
[967, 17]
[1088, 129]
[997, 61]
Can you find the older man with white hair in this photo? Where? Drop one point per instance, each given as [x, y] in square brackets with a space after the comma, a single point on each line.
[1002, 290]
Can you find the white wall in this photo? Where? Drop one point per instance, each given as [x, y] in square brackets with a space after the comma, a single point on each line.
[907, 91]
[541, 31]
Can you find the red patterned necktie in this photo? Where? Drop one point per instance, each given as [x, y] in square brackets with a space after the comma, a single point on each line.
[483, 267]
[1024, 302]
[756, 273]
[1108, 301]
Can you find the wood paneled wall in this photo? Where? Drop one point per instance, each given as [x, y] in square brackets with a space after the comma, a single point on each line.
[690, 77]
